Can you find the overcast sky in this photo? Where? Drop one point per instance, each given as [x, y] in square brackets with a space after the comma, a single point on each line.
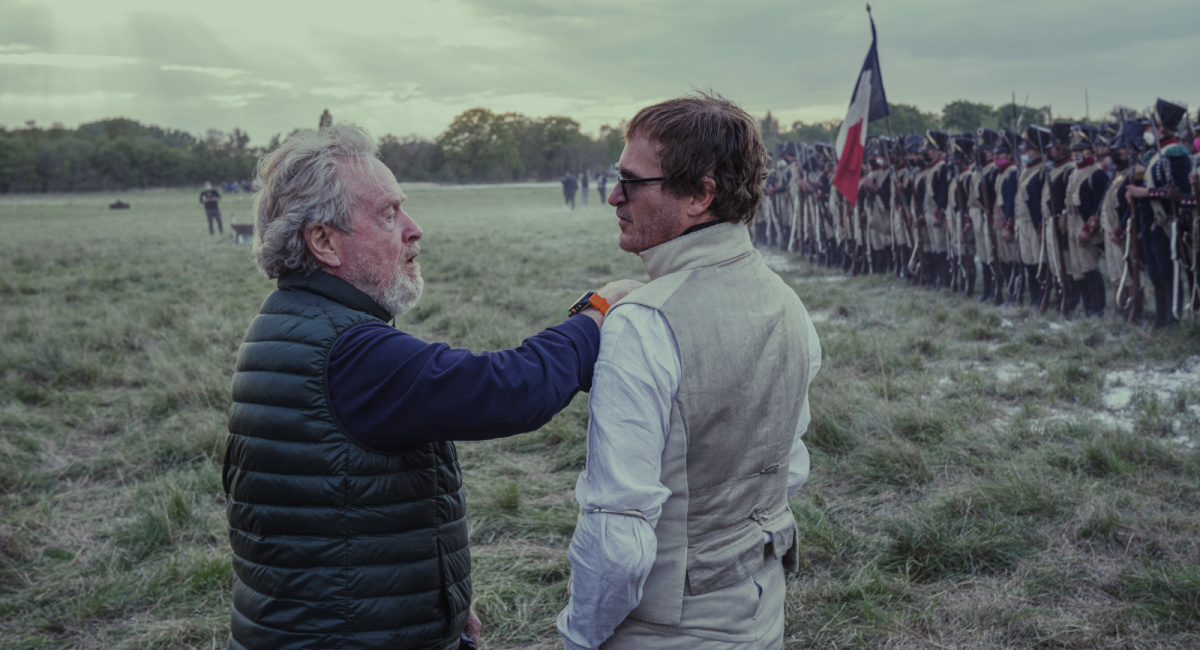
[407, 67]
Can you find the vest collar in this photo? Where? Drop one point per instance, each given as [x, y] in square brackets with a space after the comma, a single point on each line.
[705, 247]
[336, 289]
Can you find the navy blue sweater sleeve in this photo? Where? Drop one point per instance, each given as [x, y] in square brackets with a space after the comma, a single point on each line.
[391, 390]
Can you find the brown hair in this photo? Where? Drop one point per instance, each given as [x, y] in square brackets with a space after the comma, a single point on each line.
[706, 135]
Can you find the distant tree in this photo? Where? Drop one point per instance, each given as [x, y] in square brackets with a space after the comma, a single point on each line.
[1008, 114]
[962, 116]
[612, 141]
[812, 133]
[412, 158]
[906, 119]
[479, 146]
[768, 126]
[565, 147]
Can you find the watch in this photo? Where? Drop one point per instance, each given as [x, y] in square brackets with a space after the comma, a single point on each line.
[590, 299]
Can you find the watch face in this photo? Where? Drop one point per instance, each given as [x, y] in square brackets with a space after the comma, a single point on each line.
[581, 304]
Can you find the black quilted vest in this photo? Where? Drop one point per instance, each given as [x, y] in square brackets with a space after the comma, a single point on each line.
[334, 546]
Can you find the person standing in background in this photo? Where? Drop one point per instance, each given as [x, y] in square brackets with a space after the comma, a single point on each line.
[209, 198]
[570, 185]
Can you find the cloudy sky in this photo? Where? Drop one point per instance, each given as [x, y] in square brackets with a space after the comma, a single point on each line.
[408, 67]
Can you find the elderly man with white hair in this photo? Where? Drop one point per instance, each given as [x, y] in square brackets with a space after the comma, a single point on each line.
[344, 494]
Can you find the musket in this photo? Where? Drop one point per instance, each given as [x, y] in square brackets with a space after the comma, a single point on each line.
[918, 258]
[1060, 242]
[1131, 254]
[1194, 301]
[1130, 270]
[960, 200]
[1047, 224]
[952, 257]
[891, 202]
[1017, 281]
[988, 221]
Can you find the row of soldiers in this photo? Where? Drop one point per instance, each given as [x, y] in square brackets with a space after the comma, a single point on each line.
[1037, 212]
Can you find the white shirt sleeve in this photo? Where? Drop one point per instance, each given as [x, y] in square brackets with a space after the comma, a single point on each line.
[798, 464]
[635, 381]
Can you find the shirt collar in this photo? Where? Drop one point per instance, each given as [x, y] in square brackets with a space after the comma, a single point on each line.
[709, 244]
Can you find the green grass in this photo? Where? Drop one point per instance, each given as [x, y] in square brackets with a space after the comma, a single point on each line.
[964, 490]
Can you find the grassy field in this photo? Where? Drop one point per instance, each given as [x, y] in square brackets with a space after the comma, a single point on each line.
[981, 477]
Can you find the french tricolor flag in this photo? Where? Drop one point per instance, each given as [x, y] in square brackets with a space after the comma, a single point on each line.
[869, 103]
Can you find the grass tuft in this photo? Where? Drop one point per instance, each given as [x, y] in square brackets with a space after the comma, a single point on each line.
[927, 545]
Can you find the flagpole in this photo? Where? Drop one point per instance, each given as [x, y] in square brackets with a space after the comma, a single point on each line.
[896, 198]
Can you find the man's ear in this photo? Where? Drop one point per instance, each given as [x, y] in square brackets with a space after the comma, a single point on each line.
[324, 242]
[699, 202]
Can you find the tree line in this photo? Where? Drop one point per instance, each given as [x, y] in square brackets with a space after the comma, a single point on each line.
[478, 146]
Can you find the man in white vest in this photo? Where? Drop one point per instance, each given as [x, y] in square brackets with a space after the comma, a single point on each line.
[699, 400]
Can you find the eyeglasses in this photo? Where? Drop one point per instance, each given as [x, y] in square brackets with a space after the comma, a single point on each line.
[625, 181]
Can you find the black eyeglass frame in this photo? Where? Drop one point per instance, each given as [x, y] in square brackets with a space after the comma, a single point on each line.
[623, 181]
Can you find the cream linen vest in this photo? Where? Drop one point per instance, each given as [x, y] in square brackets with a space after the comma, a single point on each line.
[743, 346]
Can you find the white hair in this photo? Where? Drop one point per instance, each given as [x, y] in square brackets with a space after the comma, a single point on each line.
[301, 187]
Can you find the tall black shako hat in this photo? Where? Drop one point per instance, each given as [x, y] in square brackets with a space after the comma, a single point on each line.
[912, 143]
[1037, 138]
[935, 139]
[1129, 136]
[1060, 133]
[963, 145]
[1083, 136]
[1108, 131]
[1169, 114]
[1006, 141]
[986, 139]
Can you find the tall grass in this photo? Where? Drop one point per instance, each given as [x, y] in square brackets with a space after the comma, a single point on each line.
[964, 490]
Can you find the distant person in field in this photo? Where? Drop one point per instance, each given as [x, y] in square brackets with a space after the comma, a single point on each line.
[698, 403]
[210, 199]
[344, 495]
[570, 185]
[601, 181]
[583, 183]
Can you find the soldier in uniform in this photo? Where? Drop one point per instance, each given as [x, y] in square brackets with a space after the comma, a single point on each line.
[1114, 211]
[791, 197]
[1054, 197]
[919, 166]
[762, 216]
[830, 204]
[1004, 216]
[937, 202]
[983, 199]
[875, 233]
[897, 208]
[962, 240]
[1028, 210]
[810, 204]
[773, 189]
[1082, 220]
[1159, 211]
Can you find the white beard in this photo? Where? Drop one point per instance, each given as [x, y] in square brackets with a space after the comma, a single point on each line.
[403, 294]
[396, 292]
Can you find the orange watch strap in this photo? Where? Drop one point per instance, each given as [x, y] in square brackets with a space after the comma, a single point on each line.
[599, 303]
